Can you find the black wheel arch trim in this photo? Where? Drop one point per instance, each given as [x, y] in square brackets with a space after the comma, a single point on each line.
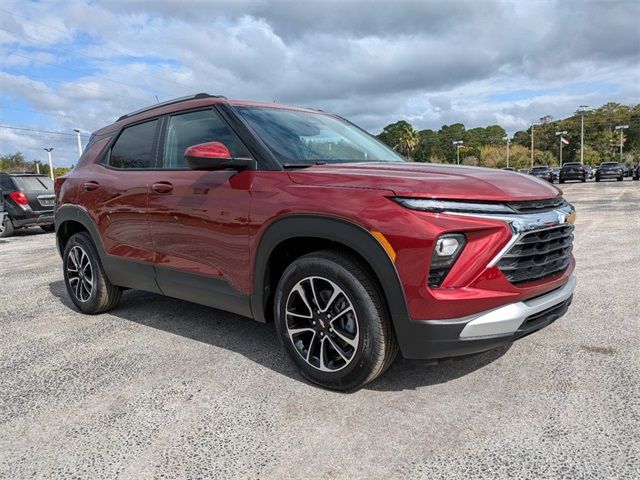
[121, 272]
[344, 232]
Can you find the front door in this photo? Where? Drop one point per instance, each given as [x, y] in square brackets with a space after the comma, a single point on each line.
[199, 220]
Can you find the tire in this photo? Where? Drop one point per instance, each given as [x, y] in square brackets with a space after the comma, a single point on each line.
[357, 345]
[620, 179]
[7, 229]
[597, 179]
[561, 181]
[583, 180]
[91, 291]
[48, 228]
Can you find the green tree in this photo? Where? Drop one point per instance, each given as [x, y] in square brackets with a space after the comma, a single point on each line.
[401, 136]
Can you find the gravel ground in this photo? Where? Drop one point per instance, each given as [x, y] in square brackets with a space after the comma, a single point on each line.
[161, 388]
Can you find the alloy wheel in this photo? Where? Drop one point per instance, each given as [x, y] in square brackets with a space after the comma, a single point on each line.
[322, 323]
[79, 273]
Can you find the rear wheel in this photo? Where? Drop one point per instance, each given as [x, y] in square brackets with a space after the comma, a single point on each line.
[87, 284]
[48, 228]
[6, 227]
[333, 321]
[620, 179]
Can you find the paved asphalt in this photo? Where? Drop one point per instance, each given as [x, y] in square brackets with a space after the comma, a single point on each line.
[161, 388]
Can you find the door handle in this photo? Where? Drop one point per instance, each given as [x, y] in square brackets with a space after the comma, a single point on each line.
[91, 186]
[162, 187]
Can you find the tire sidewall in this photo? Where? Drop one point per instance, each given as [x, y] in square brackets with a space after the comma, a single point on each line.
[358, 370]
[83, 241]
[8, 228]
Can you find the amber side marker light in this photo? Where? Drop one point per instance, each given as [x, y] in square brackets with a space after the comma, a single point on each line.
[385, 244]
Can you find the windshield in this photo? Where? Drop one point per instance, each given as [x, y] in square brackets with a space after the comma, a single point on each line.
[296, 137]
[539, 169]
[572, 165]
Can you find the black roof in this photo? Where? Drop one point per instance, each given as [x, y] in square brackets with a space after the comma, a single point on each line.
[169, 102]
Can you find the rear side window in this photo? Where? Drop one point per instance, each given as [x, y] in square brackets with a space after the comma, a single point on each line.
[31, 184]
[188, 129]
[6, 183]
[134, 147]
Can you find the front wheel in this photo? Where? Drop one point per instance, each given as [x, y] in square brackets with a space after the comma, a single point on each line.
[48, 228]
[87, 284]
[333, 321]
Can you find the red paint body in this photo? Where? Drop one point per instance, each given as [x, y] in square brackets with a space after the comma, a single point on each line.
[211, 223]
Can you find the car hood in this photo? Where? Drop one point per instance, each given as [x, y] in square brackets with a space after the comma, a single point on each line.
[429, 180]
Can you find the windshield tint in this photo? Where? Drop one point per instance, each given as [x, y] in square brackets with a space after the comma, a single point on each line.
[296, 137]
[572, 165]
[539, 169]
[609, 164]
[32, 183]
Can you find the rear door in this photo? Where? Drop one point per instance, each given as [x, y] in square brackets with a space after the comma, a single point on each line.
[115, 192]
[39, 191]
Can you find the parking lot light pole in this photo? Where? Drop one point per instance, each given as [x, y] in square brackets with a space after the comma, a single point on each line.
[582, 110]
[621, 128]
[458, 145]
[560, 134]
[79, 141]
[49, 150]
[507, 139]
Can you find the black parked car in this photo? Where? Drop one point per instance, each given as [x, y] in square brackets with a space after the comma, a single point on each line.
[2, 213]
[573, 171]
[542, 172]
[28, 201]
[610, 170]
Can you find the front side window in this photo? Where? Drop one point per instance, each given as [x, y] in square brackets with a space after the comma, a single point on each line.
[134, 147]
[298, 137]
[188, 129]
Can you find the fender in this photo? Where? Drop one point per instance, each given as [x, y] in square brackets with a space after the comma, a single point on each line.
[121, 272]
[347, 233]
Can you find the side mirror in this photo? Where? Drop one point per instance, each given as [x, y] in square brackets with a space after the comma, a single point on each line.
[215, 156]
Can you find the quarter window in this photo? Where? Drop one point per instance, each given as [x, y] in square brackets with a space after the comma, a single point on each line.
[134, 147]
[188, 129]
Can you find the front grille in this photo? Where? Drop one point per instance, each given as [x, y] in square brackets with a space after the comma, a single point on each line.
[537, 255]
[538, 205]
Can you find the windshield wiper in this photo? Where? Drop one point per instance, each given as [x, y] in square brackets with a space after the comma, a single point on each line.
[302, 165]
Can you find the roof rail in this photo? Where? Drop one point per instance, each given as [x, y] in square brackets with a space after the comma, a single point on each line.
[170, 102]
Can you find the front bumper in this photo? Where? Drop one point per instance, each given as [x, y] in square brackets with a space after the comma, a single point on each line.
[433, 339]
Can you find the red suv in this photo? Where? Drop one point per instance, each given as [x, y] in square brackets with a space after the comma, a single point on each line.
[297, 216]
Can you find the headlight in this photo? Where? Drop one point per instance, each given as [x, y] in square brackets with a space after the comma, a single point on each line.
[444, 255]
[453, 206]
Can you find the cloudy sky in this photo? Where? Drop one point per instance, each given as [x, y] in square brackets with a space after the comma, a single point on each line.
[80, 64]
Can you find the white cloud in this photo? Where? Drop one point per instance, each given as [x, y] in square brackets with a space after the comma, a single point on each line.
[431, 62]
